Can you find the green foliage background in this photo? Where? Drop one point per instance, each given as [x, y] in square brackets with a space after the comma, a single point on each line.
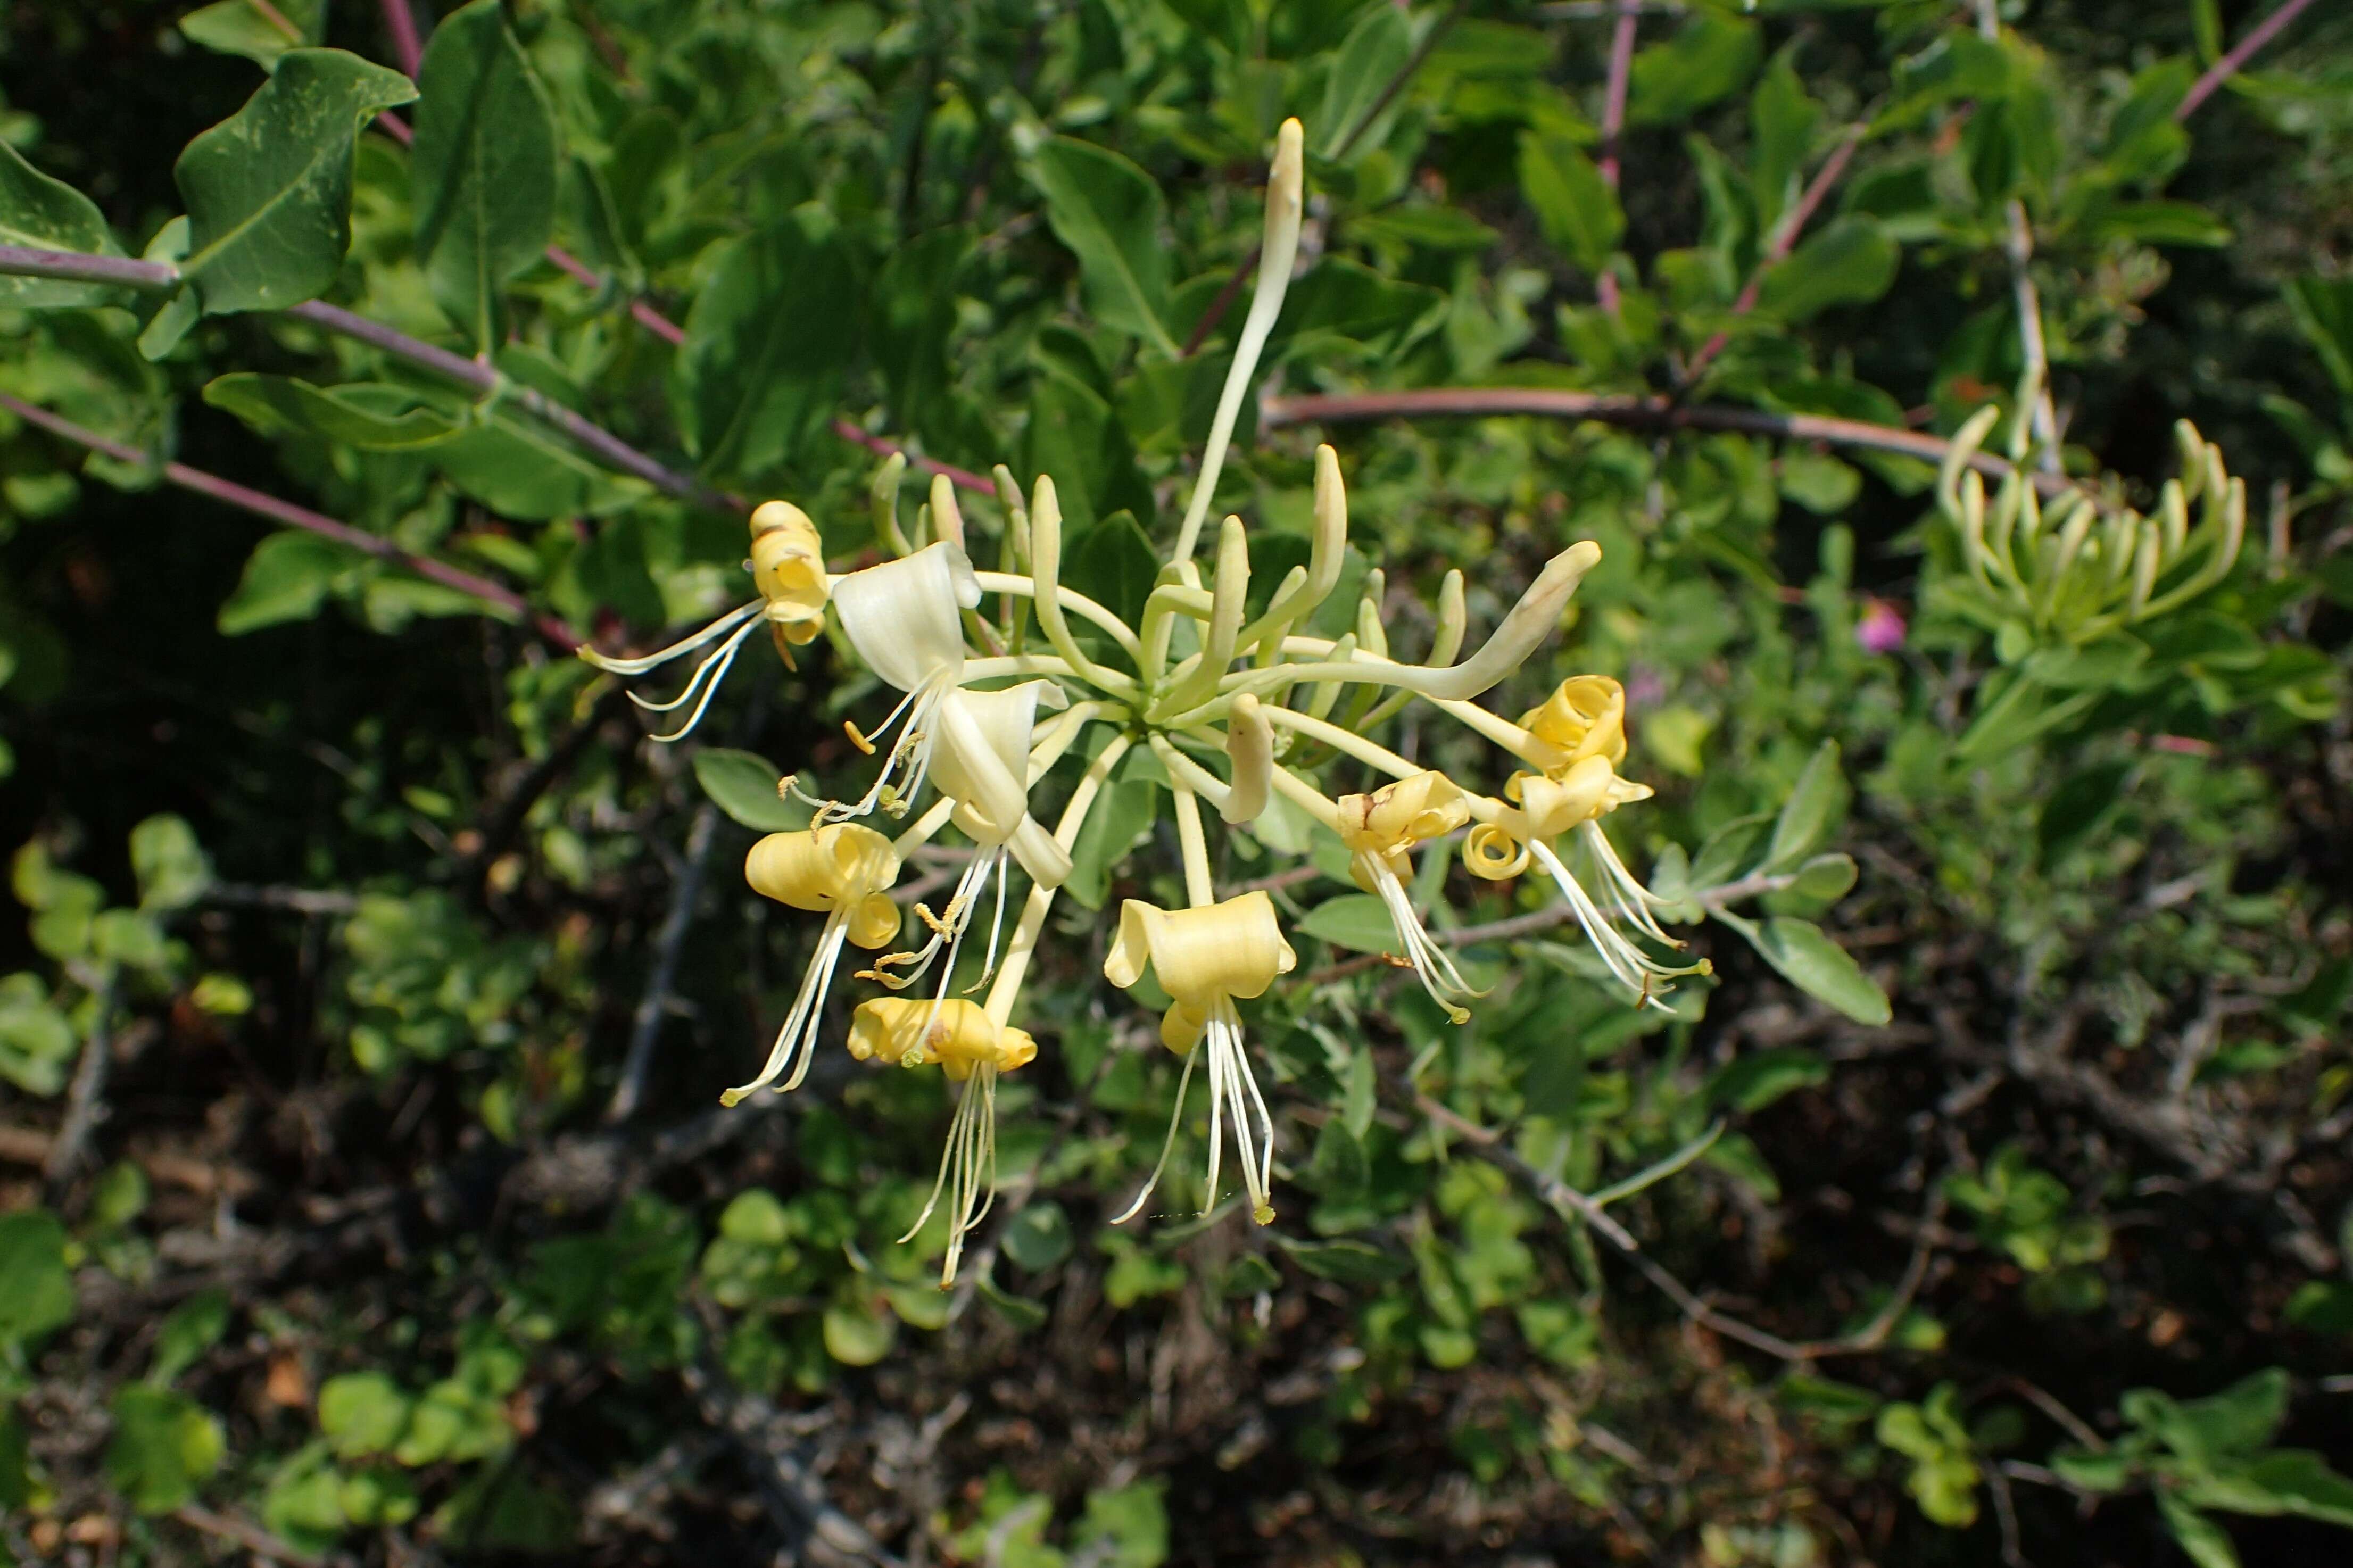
[339, 1225]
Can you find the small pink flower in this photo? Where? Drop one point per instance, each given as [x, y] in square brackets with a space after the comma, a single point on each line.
[1881, 629]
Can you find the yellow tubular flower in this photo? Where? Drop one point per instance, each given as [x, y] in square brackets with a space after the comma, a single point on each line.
[1379, 831]
[1502, 848]
[1585, 717]
[1206, 958]
[972, 1049]
[787, 566]
[841, 869]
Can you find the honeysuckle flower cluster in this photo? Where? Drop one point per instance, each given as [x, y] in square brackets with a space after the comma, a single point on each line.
[2081, 566]
[1230, 705]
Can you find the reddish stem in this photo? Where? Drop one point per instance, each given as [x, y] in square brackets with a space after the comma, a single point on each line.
[963, 478]
[2223, 69]
[406, 47]
[1785, 237]
[284, 511]
[1613, 124]
[653, 320]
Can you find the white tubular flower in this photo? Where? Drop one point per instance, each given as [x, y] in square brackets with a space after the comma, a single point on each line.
[1207, 958]
[788, 565]
[905, 619]
[972, 1049]
[1379, 831]
[842, 869]
[982, 764]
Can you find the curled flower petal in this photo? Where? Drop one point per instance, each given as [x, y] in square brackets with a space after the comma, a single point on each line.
[1585, 717]
[1395, 817]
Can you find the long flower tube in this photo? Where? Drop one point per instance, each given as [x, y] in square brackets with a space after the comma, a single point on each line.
[787, 567]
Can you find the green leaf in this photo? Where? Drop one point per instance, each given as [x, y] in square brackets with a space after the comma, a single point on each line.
[1574, 205]
[1781, 121]
[37, 1043]
[1369, 60]
[1113, 563]
[2159, 223]
[169, 863]
[2205, 1543]
[269, 189]
[482, 173]
[2322, 309]
[287, 578]
[1358, 922]
[2301, 1482]
[743, 785]
[362, 1413]
[1816, 965]
[166, 1446]
[2104, 1472]
[1020, 1312]
[1074, 435]
[2076, 806]
[1851, 261]
[1758, 1078]
[914, 319]
[520, 469]
[1818, 481]
[1122, 818]
[1039, 1236]
[280, 404]
[37, 1293]
[1708, 60]
[42, 214]
[1347, 1262]
[1124, 1526]
[2240, 1418]
[1815, 806]
[238, 28]
[193, 1327]
[1337, 1169]
[1111, 216]
[766, 344]
[857, 1335]
[1348, 301]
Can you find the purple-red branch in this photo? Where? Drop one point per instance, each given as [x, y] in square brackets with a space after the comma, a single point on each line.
[292, 516]
[2223, 69]
[1785, 237]
[401, 23]
[1613, 124]
[963, 478]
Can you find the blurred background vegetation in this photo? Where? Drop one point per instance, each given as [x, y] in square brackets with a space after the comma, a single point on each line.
[363, 1196]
